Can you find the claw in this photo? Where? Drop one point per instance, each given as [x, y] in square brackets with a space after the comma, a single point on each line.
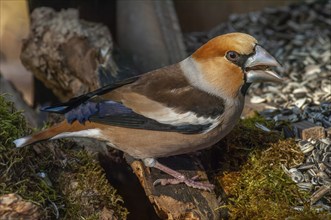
[164, 182]
[195, 177]
[189, 182]
[199, 185]
[178, 177]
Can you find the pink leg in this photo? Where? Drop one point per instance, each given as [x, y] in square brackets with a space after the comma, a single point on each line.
[178, 177]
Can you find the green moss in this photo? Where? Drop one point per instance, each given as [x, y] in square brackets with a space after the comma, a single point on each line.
[234, 149]
[12, 124]
[258, 188]
[19, 169]
[87, 191]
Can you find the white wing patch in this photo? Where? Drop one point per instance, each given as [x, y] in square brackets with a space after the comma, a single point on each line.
[166, 115]
[170, 116]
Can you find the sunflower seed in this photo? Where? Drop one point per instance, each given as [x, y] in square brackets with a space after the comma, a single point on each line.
[318, 194]
[305, 96]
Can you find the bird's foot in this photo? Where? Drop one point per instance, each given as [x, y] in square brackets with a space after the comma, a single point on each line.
[178, 177]
[189, 182]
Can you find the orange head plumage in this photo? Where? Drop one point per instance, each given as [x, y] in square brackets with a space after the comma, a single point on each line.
[230, 62]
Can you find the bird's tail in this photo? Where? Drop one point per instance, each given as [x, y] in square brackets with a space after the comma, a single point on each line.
[42, 135]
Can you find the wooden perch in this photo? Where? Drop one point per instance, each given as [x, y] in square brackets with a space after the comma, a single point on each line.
[178, 201]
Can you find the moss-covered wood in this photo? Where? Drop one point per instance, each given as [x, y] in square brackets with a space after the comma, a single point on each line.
[63, 181]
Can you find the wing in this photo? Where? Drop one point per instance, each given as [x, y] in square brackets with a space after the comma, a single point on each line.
[161, 100]
[116, 114]
[75, 102]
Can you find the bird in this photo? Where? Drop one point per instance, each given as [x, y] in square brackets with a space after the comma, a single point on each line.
[177, 109]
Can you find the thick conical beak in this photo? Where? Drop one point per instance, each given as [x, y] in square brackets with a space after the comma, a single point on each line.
[256, 67]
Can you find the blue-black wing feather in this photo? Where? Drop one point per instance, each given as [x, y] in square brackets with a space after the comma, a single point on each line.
[75, 102]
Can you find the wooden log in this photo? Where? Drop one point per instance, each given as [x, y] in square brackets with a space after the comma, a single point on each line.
[178, 201]
[70, 56]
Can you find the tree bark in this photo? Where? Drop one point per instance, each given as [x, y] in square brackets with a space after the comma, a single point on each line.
[178, 201]
[70, 56]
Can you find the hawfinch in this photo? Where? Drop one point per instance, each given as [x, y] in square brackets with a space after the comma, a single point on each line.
[173, 110]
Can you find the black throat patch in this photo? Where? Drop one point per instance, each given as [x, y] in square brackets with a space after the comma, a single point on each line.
[241, 63]
[245, 87]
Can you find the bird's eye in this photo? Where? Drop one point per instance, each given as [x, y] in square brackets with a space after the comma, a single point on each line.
[232, 56]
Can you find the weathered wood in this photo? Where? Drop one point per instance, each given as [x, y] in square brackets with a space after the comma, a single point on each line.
[317, 132]
[306, 129]
[70, 56]
[178, 201]
[12, 206]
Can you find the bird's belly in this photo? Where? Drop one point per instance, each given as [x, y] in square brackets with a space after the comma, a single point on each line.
[142, 144]
[147, 143]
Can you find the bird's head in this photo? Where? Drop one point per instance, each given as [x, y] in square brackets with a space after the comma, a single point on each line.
[229, 63]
